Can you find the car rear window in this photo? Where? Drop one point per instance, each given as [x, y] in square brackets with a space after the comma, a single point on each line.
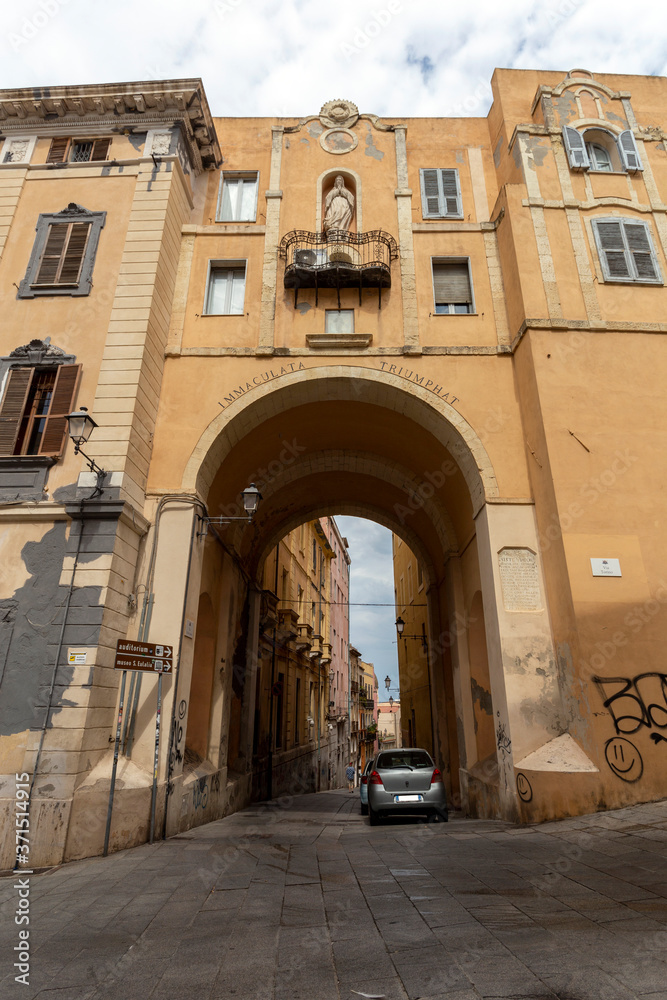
[408, 758]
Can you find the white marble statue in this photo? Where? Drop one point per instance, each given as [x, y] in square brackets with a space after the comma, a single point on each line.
[338, 207]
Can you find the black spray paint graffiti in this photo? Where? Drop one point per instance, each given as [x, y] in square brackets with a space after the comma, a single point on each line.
[524, 788]
[635, 703]
[624, 759]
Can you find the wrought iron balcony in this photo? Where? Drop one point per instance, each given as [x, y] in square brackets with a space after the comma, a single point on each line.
[338, 259]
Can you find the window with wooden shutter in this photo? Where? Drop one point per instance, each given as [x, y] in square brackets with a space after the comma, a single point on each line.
[626, 251]
[55, 427]
[575, 147]
[441, 194]
[629, 153]
[67, 150]
[452, 287]
[34, 407]
[12, 407]
[63, 254]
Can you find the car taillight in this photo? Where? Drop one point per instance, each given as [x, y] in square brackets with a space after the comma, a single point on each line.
[375, 778]
[364, 779]
[436, 777]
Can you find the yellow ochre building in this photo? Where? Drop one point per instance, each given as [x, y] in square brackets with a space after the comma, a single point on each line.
[452, 327]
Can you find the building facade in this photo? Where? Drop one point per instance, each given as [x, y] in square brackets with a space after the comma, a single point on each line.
[389, 725]
[453, 327]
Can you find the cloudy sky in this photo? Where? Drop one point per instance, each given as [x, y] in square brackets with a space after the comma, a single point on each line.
[288, 57]
[372, 628]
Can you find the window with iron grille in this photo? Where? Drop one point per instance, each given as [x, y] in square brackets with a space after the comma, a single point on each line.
[33, 408]
[441, 194]
[64, 149]
[63, 254]
[626, 251]
[452, 285]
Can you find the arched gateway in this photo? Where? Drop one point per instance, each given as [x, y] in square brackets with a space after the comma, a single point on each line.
[454, 329]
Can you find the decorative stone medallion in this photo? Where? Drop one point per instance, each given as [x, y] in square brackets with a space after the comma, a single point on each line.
[339, 113]
[338, 140]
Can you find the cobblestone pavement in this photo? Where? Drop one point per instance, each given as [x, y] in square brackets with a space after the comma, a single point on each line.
[302, 899]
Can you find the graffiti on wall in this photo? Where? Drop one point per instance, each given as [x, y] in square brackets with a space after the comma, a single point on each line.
[635, 704]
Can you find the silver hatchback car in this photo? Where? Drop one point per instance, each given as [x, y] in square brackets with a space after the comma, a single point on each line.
[403, 782]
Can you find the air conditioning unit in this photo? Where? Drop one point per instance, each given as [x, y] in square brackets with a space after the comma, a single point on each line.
[310, 258]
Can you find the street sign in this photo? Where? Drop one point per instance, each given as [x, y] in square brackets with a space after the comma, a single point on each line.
[151, 656]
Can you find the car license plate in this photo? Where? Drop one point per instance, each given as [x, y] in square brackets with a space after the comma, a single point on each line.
[408, 798]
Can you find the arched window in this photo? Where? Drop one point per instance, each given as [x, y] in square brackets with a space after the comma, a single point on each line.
[598, 150]
[599, 156]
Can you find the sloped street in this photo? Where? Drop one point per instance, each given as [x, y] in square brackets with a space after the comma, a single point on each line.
[302, 900]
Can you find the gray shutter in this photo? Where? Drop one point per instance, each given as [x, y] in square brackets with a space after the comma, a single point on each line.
[611, 245]
[451, 192]
[576, 148]
[629, 153]
[431, 208]
[13, 406]
[451, 282]
[641, 251]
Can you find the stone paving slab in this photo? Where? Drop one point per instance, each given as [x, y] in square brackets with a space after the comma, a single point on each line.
[304, 901]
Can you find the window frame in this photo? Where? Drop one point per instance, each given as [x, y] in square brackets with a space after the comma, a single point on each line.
[624, 143]
[220, 264]
[75, 140]
[63, 393]
[453, 260]
[28, 289]
[633, 278]
[338, 312]
[442, 198]
[239, 175]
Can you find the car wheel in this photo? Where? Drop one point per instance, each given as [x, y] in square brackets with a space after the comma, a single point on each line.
[434, 817]
[373, 817]
[364, 809]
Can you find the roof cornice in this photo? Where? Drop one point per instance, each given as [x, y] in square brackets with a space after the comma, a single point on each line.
[117, 106]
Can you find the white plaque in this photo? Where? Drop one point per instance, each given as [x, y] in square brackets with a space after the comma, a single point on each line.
[189, 628]
[606, 567]
[520, 580]
[77, 657]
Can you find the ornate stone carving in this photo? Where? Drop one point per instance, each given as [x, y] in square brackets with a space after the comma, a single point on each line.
[17, 150]
[73, 209]
[339, 113]
[338, 140]
[161, 143]
[37, 351]
[338, 207]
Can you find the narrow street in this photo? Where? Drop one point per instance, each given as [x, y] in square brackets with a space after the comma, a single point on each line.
[302, 900]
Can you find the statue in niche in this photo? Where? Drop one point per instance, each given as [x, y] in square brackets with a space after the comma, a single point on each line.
[338, 207]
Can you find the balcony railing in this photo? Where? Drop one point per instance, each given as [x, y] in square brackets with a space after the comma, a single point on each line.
[338, 259]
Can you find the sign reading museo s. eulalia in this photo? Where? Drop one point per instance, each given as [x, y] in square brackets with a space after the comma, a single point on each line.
[134, 655]
[291, 367]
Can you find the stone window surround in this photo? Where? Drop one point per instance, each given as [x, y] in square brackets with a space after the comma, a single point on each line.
[23, 477]
[73, 213]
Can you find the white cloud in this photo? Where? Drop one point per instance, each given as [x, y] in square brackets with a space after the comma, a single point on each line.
[287, 57]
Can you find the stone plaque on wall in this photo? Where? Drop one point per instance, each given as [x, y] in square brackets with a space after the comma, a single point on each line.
[520, 580]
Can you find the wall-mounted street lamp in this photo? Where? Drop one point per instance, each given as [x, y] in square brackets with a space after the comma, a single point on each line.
[387, 682]
[250, 497]
[400, 625]
[391, 702]
[80, 425]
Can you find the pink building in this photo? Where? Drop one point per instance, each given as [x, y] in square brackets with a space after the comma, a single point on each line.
[339, 669]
